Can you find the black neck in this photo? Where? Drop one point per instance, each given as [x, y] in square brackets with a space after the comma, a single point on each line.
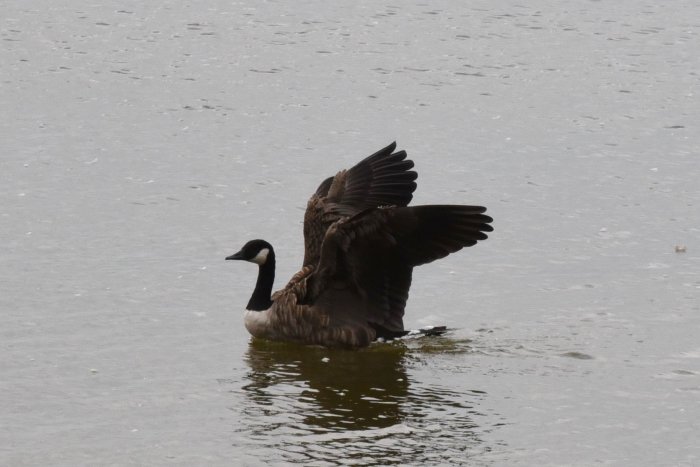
[261, 298]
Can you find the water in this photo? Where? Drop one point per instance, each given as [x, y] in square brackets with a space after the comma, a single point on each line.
[364, 404]
[144, 143]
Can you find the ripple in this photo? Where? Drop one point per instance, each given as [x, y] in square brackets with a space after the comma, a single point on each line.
[577, 355]
[322, 406]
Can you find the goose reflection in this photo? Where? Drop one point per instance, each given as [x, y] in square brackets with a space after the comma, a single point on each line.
[317, 405]
[333, 388]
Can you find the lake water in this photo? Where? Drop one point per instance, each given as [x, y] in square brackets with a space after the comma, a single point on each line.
[144, 142]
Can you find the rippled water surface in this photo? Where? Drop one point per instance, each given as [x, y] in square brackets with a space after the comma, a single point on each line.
[143, 143]
[362, 407]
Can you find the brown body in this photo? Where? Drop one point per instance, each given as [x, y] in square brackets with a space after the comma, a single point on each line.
[317, 324]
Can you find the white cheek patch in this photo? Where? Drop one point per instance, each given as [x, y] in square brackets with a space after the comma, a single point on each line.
[261, 257]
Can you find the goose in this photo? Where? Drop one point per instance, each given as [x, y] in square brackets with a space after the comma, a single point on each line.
[361, 243]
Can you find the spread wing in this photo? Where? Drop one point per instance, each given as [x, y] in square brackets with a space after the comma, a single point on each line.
[383, 179]
[374, 252]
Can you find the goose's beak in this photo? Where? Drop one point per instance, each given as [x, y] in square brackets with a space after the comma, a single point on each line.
[238, 255]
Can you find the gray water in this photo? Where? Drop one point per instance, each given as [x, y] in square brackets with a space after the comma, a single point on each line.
[142, 142]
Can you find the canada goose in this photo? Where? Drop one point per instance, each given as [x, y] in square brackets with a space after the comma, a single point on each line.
[361, 245]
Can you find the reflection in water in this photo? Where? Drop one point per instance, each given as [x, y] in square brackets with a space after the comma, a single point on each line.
[308, 404]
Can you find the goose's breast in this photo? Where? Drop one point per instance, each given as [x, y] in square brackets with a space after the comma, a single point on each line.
[258, 323]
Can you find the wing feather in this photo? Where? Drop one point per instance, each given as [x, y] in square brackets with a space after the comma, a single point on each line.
[374, 252]
[384, 178]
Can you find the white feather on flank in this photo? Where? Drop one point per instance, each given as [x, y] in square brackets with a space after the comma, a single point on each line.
[261, 257]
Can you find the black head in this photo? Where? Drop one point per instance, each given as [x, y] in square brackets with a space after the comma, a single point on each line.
[255, 251]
